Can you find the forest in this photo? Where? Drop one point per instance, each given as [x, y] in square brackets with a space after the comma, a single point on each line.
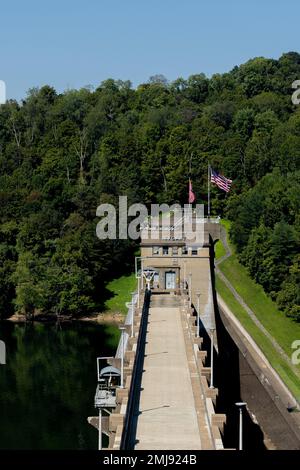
[63, 154]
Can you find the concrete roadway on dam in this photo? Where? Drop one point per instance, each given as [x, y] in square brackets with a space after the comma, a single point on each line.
[167, 417]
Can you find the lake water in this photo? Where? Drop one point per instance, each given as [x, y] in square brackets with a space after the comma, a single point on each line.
[48, 384]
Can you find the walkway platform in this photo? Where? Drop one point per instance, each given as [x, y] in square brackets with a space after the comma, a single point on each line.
[167, 416]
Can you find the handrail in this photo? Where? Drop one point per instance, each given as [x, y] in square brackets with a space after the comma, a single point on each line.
[126, 435]
[162, 228]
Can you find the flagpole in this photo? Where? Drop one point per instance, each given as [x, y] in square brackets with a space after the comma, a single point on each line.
[208, 191]
[190, 168]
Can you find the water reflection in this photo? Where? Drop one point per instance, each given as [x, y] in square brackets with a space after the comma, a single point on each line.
[47, 385]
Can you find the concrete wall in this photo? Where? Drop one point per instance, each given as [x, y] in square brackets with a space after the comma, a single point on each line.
[244, 375]
[198, 266]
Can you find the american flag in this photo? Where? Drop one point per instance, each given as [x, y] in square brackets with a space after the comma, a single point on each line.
[220, 180]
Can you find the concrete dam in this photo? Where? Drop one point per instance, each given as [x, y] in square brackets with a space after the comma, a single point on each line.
[186, 364]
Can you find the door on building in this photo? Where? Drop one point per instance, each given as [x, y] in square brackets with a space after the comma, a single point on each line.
[170, 280]
[156, 281]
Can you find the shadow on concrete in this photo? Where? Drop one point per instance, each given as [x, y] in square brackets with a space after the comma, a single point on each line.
[152, 409]
[156, 353]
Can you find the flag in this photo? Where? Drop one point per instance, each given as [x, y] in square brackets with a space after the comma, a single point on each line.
[192, 196]
[220, 180]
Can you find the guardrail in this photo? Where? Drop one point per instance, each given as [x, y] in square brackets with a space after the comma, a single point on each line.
[121, 423]
[128, 322]
[120, 420]
[215, 420]
[127, 435]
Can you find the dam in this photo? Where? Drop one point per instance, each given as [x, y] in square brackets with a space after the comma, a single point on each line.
[186, 362]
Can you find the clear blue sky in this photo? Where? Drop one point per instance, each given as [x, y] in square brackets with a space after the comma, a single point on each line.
[71, 43]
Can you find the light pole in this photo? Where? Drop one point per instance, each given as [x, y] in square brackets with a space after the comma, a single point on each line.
[142, 275]
[212, 358]
[190, 289]
[148, 275]
[139, 272]
[198, 313]
[241, 405]
[132, 313]
[100, 430]
[138, 295]
[184, 273]
[122, 329]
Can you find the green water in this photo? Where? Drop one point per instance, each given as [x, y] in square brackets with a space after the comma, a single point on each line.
[48, 383]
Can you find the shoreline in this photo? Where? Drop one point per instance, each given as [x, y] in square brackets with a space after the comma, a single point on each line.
[100, 318]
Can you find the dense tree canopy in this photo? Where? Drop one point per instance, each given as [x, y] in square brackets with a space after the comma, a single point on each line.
[61, 155]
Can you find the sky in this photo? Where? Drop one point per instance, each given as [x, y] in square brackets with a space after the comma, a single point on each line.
[72, 44]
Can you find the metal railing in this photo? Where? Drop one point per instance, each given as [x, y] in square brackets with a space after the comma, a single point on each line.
[127, 433]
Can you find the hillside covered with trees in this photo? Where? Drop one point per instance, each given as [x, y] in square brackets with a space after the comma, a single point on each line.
[61, 155]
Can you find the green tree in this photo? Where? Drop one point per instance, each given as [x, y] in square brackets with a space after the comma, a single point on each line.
[26, 277]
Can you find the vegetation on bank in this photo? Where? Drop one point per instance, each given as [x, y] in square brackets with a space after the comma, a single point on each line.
[120, 289]
[282, 367]
[62, 155]
[265, 231]
[219, 250]
[283, 329]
